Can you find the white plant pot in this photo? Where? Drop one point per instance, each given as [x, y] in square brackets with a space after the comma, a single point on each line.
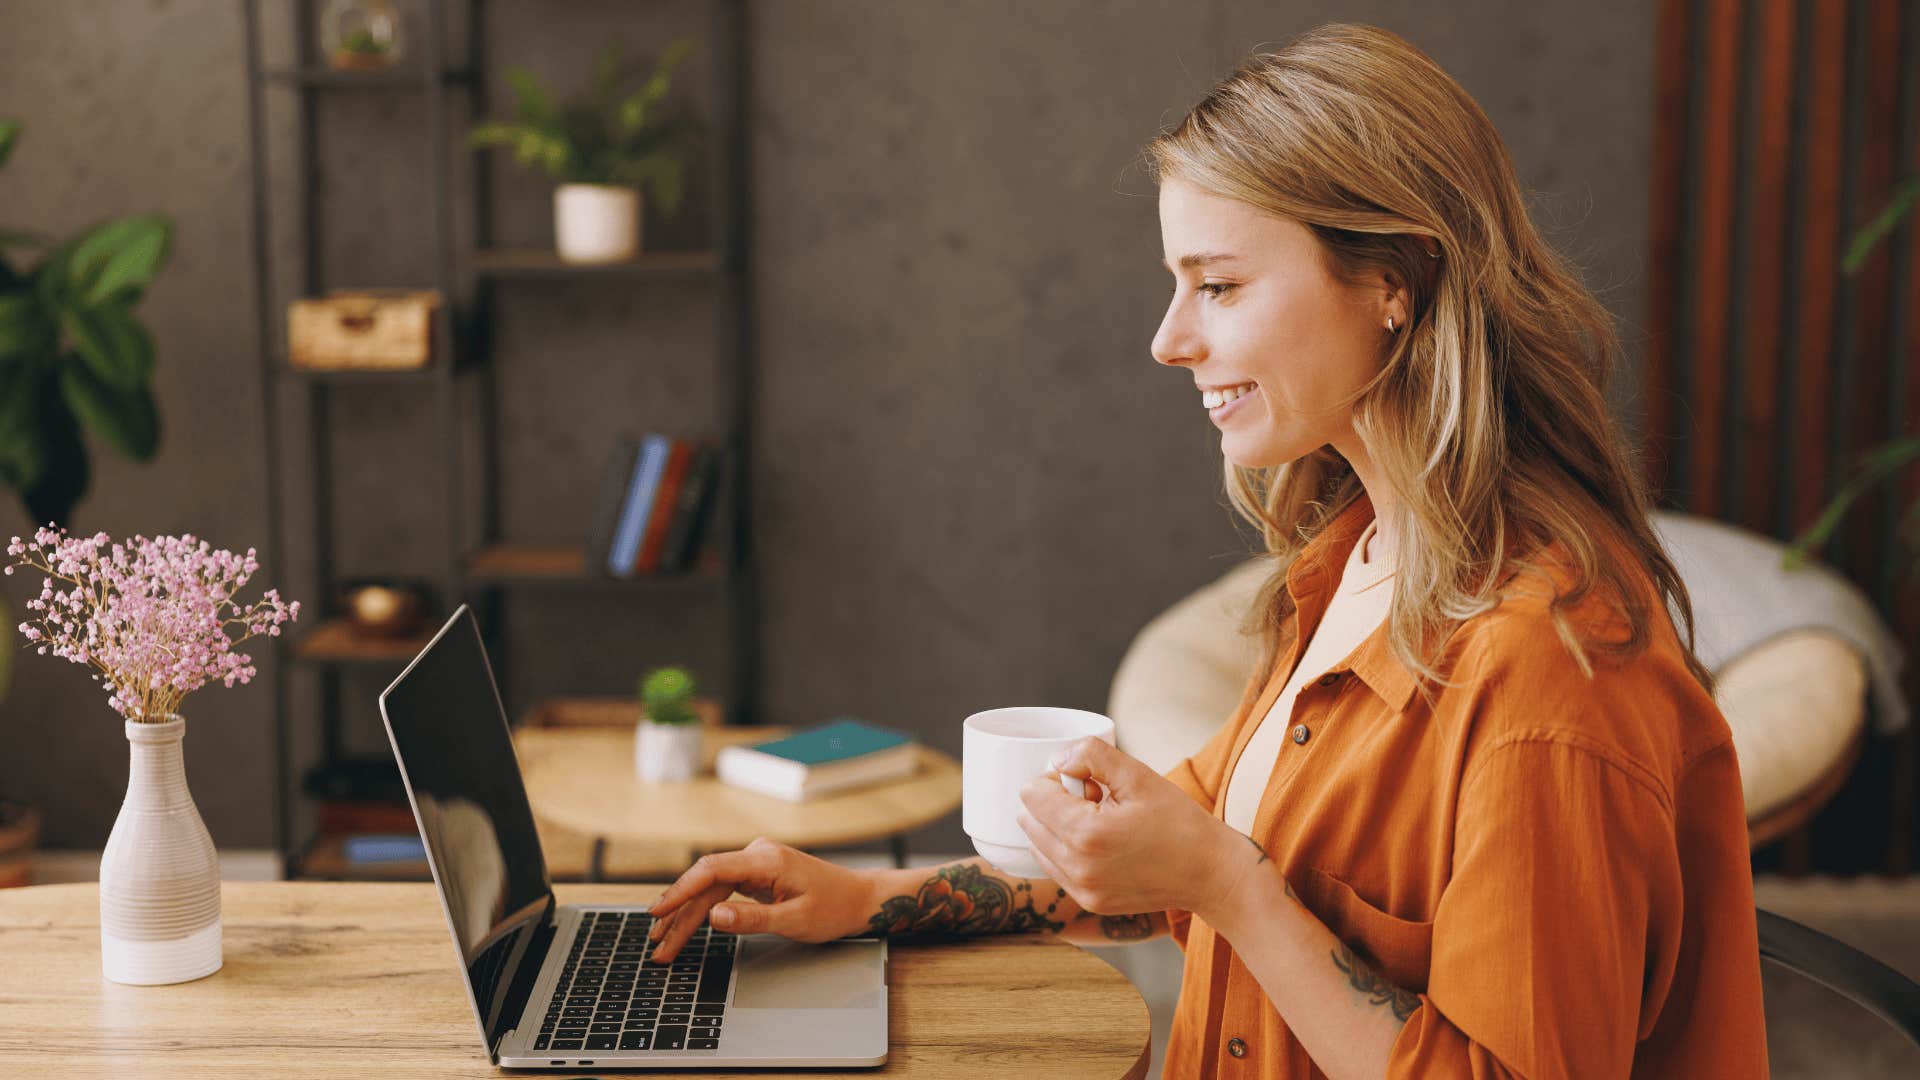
[596, 223]
[159, 875]
[666, 753]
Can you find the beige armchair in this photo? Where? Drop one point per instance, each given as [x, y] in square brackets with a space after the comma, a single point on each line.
[1796, 702]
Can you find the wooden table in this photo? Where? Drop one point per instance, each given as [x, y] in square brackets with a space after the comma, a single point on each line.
[583, 778]
[360, 980]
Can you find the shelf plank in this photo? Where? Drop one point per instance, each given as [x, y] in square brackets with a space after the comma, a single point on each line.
[333, 78]
[421, 376]
[335, 641]
[619, 711]
[534, 564]
[513, 262]
[325, 859]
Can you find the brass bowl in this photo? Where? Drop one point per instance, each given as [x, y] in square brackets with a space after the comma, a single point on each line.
[383, 609]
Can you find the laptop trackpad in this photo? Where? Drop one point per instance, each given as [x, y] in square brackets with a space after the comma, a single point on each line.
[774, 973]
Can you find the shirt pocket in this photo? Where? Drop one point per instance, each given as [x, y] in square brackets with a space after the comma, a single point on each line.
[1399, 949]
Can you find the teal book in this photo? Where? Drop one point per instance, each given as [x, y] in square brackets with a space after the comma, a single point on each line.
[843, 754]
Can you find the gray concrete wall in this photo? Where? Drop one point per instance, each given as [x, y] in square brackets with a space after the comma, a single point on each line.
[972, 483]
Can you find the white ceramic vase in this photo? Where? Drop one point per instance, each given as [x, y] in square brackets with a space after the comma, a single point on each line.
[596, 223]
[160, 875]
[666, 753]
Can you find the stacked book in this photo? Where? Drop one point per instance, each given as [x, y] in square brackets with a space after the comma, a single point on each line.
[655, 499]
[362, 801]
[839, 755]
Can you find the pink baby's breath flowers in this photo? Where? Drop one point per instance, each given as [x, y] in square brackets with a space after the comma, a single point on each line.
[151, 615]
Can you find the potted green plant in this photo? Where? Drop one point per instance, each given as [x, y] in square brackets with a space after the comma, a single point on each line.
[666, 747]
[72, 354]
[361, 35]
[602, 150]
[360, 51]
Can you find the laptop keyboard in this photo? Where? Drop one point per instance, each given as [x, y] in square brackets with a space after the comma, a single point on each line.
[610, 998]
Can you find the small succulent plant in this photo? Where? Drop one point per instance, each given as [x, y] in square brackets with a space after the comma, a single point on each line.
[362, 42]
[666, 696]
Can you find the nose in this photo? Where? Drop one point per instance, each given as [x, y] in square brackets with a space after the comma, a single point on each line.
[1175, 344]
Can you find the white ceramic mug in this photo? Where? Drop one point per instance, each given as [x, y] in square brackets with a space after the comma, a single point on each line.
[1002, 749]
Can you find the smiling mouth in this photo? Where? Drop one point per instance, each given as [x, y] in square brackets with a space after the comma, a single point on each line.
[1216, 401]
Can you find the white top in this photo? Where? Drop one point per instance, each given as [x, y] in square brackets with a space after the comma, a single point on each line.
[1358, 607]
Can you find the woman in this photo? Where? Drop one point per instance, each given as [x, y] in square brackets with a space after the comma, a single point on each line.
[1478, 816]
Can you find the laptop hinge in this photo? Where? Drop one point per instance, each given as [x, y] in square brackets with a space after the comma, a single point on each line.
[525, 974]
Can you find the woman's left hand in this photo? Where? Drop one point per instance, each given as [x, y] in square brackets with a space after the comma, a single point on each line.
[1145, 846]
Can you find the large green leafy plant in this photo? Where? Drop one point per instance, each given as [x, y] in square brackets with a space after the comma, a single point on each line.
[72, 355]
[1889, 459]
[599, 136]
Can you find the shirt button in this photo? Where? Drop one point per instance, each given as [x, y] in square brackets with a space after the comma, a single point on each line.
[1236, 1048]
[1300, 733]
[1329, 678]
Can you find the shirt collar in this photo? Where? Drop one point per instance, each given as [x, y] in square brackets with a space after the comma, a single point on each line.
[1311, 580]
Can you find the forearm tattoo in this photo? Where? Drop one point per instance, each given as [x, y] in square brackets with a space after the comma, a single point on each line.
[1127, 927]
[1378, 991]
[964, 900]
[1285, 885]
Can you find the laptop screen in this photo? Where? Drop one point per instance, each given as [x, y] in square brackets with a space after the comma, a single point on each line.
[449, 732]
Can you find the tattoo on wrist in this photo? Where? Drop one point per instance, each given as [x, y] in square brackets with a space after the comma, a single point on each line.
[1126, 927]
[963, 899]
[1258, 848]
[1378, 991]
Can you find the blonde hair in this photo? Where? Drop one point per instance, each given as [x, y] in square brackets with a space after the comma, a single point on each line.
[1488, 417]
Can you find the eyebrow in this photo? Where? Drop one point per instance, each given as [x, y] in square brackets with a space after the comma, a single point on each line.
[1203, 258]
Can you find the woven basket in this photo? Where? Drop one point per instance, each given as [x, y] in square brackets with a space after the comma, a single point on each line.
[362, 329]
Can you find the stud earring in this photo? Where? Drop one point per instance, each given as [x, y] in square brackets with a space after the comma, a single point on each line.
[1390, 327]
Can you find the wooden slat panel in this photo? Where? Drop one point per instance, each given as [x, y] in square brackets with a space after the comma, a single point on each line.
[1812, 361]
[1904, 798]
[1767, 271]
[1658, 378]
[1768, 374]
[1706, 352]
[1861, 547]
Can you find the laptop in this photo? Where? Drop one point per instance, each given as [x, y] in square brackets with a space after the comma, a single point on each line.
[563, 986]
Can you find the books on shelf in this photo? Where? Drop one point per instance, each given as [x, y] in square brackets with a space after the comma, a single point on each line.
[641, 487]
[833, 757]
[665, 498]
[613, 493]
[656, 495]
[383, 848]
[339, 816]
[691, 512]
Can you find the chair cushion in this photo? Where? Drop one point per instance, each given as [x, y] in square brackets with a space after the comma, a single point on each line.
[1743, 596]
[1793, 701]
[1184, 672]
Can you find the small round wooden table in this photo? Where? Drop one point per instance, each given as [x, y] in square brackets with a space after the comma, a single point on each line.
[361, 980]
[583, 778]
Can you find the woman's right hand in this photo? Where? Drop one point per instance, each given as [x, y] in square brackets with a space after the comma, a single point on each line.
[800, 896]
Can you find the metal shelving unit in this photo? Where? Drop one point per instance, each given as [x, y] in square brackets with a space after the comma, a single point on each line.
[480, 570]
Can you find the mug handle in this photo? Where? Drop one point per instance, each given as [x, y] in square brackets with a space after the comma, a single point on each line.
[1075, 786]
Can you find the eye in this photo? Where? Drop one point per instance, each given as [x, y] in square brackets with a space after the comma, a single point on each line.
[1214, 289]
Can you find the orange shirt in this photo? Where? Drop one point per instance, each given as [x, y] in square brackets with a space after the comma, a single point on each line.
[1556, 865]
